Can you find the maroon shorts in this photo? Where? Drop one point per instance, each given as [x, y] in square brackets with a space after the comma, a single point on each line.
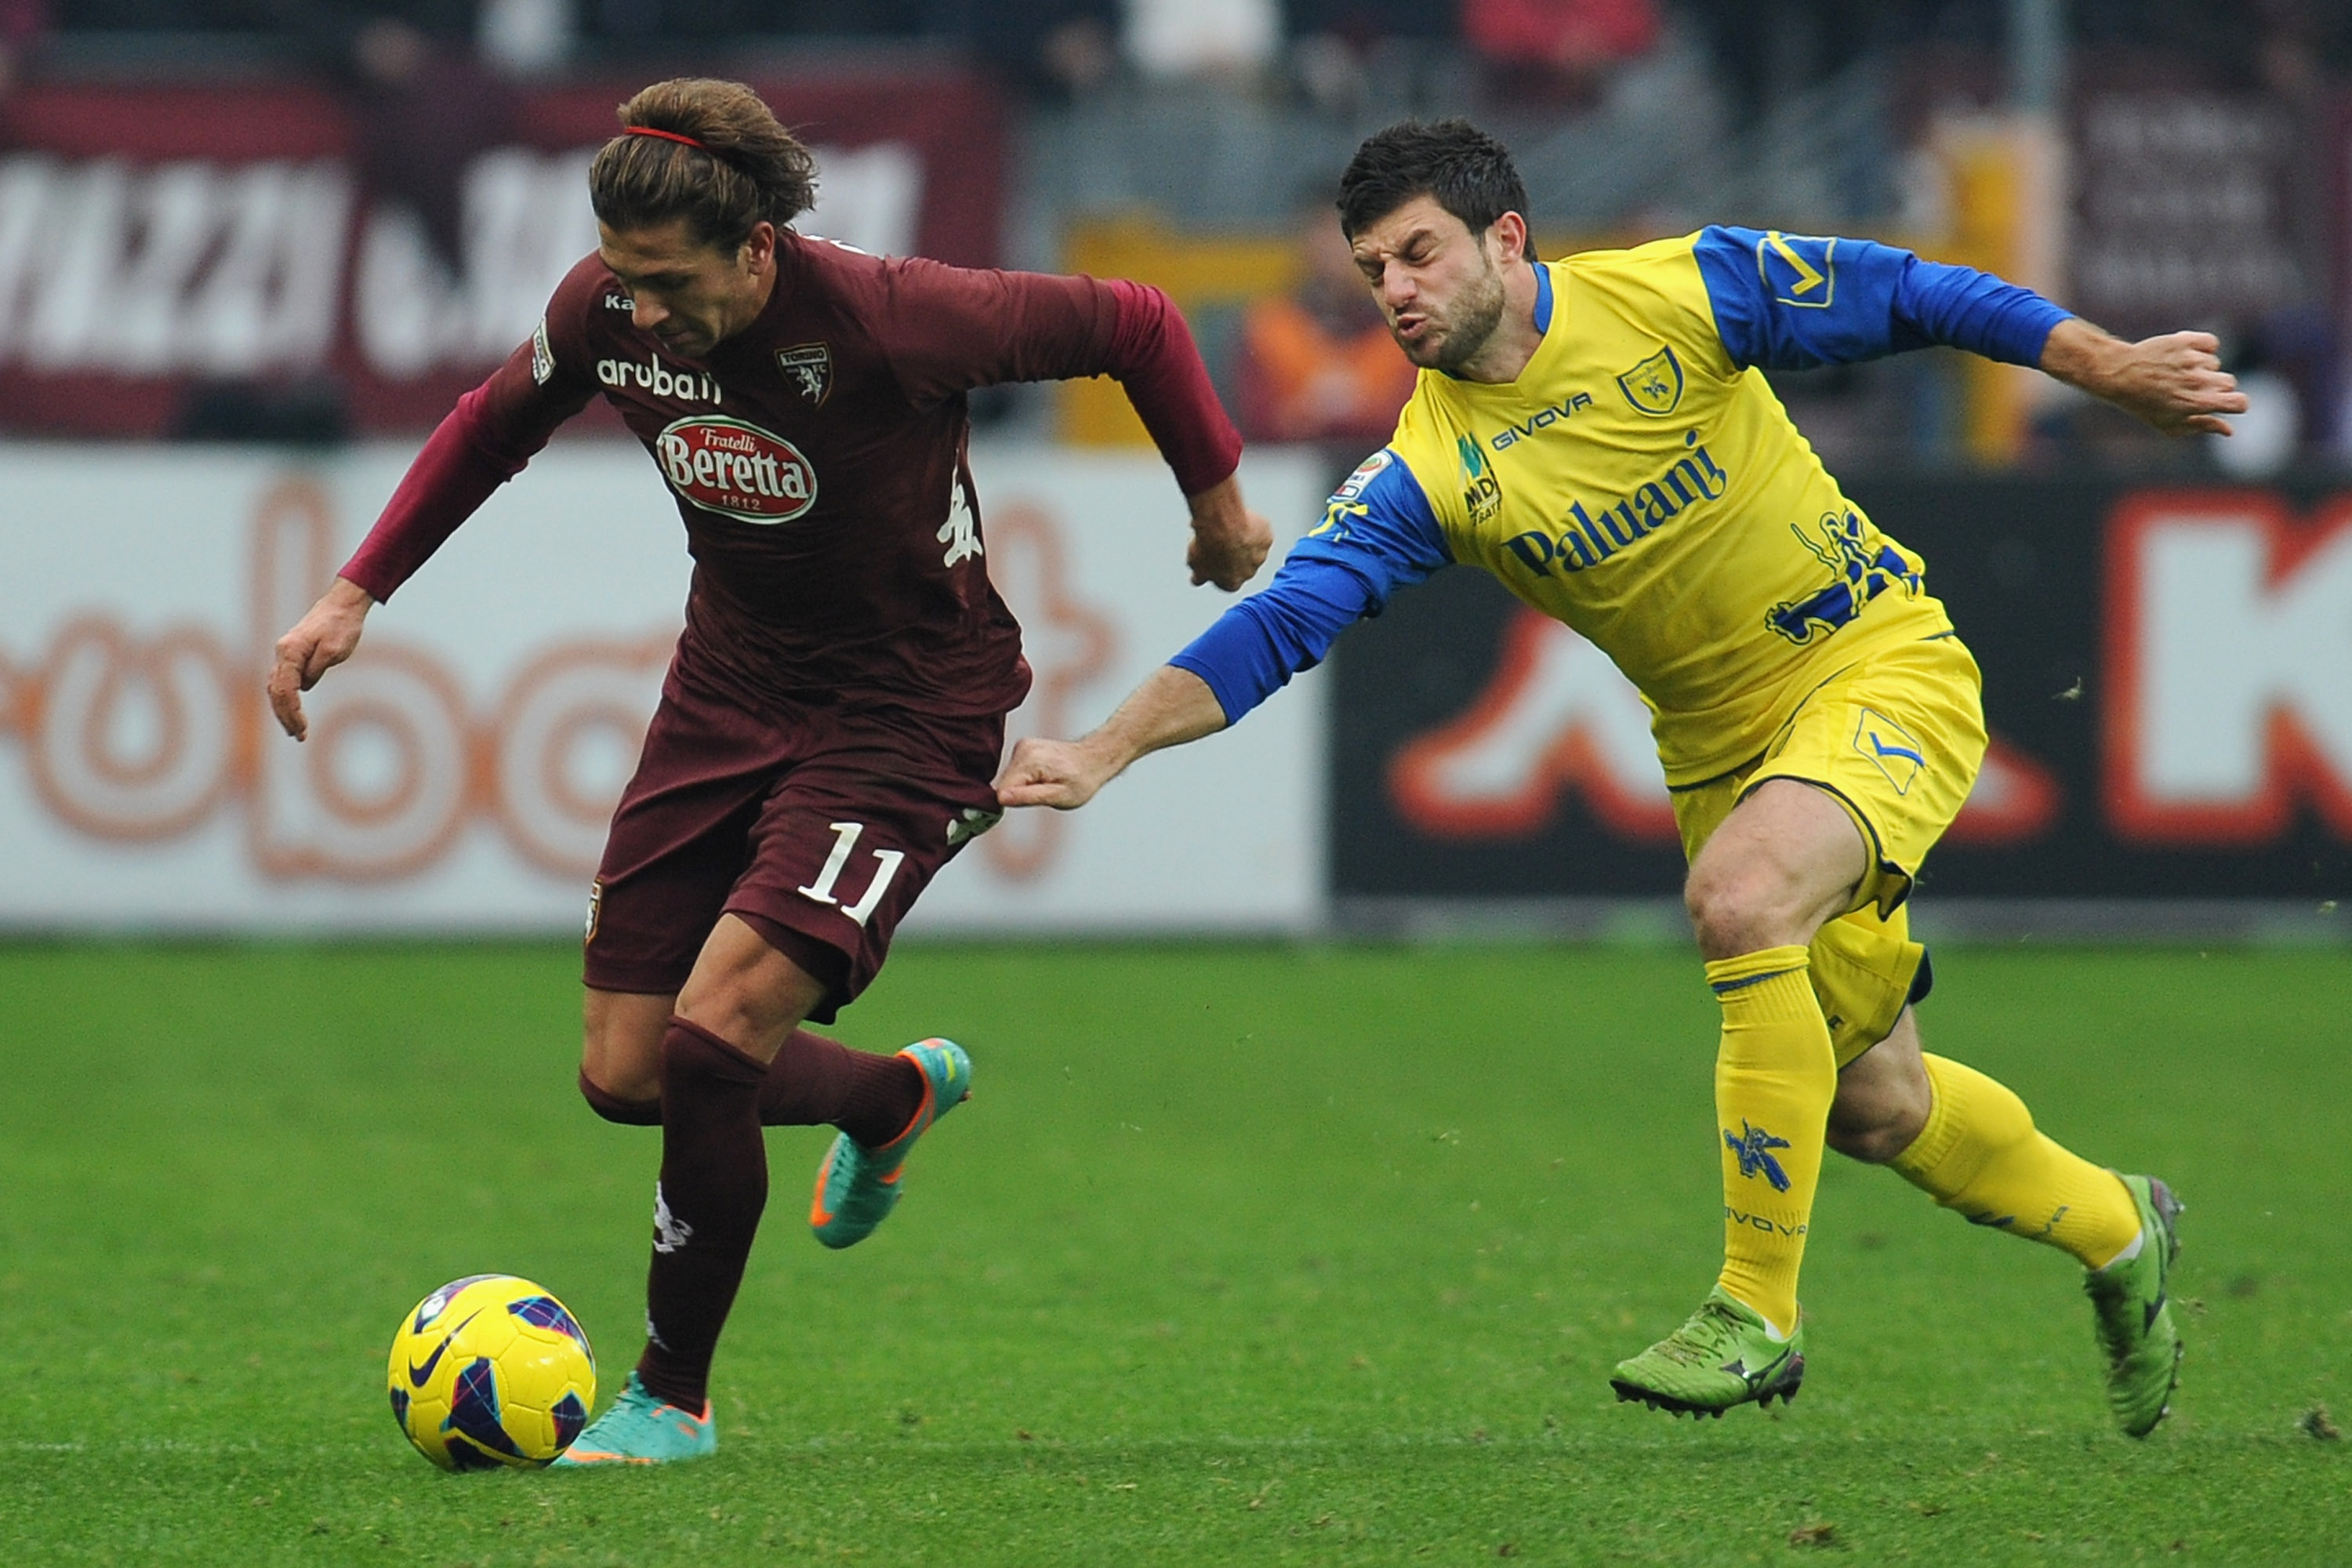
[817, 826]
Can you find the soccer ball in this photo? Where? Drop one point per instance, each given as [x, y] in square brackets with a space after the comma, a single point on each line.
[488, 1370]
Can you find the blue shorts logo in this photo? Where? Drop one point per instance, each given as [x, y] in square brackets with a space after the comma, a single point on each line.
[1889, 745]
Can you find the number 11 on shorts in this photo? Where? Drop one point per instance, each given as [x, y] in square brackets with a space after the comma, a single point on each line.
[844, 844]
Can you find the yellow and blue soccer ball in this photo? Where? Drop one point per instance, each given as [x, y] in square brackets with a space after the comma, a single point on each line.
[488, 1370]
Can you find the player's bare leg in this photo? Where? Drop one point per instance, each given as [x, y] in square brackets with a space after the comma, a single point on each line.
[1883, 1097]
[1970, 1143]
[1787, 860]
[620, 1053]
[812, 1081]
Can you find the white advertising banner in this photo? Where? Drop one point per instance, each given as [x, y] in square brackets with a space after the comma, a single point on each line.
[461, 768]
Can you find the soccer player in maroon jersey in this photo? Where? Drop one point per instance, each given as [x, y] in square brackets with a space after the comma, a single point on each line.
[836, 710]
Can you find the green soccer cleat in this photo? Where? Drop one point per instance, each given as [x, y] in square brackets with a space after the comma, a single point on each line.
[856, 1187]
[640, 1429]
[1724, 1356]
[2135, 1322]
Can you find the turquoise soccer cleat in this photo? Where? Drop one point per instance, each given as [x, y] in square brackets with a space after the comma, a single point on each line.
[1723, 1356]
[2135, 1315]
[856, 1187]
[640, 1429]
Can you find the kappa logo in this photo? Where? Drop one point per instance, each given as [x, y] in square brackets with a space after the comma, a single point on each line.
[1752, 1146]
[670, 1233]
[1654, 386]
[1888, 744]
[808, 369]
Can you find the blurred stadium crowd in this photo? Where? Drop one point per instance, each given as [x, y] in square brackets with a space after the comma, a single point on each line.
[2156, 164]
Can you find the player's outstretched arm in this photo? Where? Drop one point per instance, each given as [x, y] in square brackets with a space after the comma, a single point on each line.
[1173, 706]
[2174, 382]
[1229, 540]
[321, 639]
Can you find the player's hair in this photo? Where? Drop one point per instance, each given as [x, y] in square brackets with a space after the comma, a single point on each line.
[746, 168]
[1468, 172]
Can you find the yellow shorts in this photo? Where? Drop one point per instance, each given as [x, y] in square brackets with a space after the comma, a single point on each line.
[1896, 739]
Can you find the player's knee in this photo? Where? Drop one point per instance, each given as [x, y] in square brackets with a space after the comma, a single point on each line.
[1733, 910]
[620, 1049]
[1882, 1107]
[746, 990]
[628, 1112]
[1877, 1141]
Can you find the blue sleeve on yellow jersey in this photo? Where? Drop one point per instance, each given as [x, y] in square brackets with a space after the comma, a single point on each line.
[1378, 535]
[1788, 301]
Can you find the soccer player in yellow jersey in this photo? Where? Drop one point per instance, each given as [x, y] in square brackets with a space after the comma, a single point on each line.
[1599, 433]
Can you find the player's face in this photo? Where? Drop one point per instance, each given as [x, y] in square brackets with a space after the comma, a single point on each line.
[1437, 282]
[689, 294]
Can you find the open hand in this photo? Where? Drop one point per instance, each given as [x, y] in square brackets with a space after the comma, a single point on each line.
[321, 640]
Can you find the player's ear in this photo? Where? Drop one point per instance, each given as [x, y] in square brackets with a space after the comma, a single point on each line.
[759, 245]
[1509, 236]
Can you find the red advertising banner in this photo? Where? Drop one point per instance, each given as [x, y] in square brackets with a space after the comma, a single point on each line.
[156, 242]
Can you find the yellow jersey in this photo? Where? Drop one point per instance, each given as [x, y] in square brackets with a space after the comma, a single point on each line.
[1640, 482]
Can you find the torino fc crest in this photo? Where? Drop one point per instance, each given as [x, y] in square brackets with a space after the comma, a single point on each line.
[808, 370]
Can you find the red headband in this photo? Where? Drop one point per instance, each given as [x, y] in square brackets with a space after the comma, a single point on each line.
[664, 136]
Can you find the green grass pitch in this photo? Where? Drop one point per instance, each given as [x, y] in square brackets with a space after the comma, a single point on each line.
[1238, 1256]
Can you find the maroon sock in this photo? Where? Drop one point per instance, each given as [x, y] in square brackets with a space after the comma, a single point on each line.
[714, 1183]
[815, 1080]
[613, 1107]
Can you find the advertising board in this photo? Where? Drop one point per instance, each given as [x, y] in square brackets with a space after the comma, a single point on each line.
[2165, 682]
[160, 243]
[461, 768]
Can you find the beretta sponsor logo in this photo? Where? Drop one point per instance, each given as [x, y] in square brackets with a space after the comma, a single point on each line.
[736, 469]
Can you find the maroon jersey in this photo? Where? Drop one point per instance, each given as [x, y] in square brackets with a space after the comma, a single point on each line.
[818, 459]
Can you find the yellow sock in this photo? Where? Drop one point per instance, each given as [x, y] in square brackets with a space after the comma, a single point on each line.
[1775, 1076]
[1980, 1155]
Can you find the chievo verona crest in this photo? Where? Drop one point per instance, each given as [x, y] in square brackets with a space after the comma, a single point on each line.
[736, 469]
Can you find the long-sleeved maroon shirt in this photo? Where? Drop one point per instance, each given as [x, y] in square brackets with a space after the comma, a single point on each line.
[819, 459]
